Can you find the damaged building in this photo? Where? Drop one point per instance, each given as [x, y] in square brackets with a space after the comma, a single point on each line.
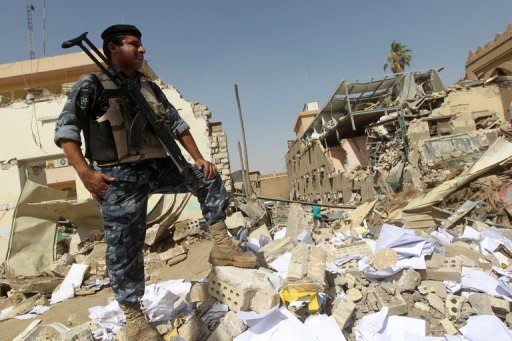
[374, 137]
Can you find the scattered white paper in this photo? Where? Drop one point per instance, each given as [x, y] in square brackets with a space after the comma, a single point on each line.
[280, 234]
[492, 238]
[305, 237]
[393, 236]
[158, 300]
[110, 318]
[281, 264]
[251, 318]
[279, 325]
[6, 311]
[214, 314]
[36, 310]
[442, 236]
[323, 327]
[470, 234]
[478, 280]
[73, 280]
[370, 326]
[401, 328]
[453, 287]
[485, 327]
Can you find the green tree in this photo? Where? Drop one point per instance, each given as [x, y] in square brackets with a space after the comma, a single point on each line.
[398, 57]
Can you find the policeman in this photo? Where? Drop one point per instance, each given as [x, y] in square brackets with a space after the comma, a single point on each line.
[121, 179]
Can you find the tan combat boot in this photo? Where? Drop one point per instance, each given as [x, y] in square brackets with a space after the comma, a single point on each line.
[225, 252]
[137, 327]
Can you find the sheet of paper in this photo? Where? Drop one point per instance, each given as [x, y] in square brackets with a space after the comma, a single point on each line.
[401, 328]
[323, 327]
[281, 263]
[370, 326]
[470, 234]
[443, 236]
[478, 280]
[73, 279]
[485, 327]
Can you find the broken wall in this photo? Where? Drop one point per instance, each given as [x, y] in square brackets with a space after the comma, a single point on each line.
[474, 100]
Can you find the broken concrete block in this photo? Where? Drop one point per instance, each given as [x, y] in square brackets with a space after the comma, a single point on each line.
[199, 292]
[449, 270]
[354, 294]
[154, 234]
[262, 230]
[251, 208]
[276, 248]
[408, 281]
[395, 303]
[96, 260]
[449, 327]
[173, 253]
[74, 244]
[79, 333]
[316, 265]
[362, 249]
[243, 289]
[229, 327]
[307, 265]
[432, 287]
[385, 258]
[422, 307]
[436, 302]
[350, 267]
[235, 221]
[189, 227]
[462, 249]
[343, 310]
[453, 306]
[487, 305]
[296, 221]
[481, 303]
[193, 329]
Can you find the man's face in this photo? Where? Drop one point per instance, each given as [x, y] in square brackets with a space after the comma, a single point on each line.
[130, 54]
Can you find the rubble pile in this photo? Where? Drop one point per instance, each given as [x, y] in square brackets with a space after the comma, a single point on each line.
[433, 264]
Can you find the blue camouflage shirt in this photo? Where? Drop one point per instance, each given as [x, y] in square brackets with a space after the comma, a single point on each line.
[68, 124]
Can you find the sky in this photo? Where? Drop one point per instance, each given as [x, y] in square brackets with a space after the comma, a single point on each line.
[281, 54]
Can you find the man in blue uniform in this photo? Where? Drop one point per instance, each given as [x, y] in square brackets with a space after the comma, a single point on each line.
[121, 179]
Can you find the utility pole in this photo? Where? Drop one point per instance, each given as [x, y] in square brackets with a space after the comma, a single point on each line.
[244, 178]
[246, 156]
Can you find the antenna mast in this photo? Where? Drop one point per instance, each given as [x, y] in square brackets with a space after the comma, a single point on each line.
[30, 29]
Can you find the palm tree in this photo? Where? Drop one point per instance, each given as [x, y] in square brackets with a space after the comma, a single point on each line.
[398, 58]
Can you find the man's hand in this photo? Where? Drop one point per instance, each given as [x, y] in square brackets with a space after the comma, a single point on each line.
[208, 168]
[96, 183]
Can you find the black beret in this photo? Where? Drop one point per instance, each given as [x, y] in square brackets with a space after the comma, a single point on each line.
[121, 29]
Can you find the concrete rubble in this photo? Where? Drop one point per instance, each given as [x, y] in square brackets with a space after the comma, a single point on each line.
[372, 265]
[428, 245]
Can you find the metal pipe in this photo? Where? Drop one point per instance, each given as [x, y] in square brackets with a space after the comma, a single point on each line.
[303, 202]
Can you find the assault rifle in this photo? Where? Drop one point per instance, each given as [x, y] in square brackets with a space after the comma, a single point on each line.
[144, 112]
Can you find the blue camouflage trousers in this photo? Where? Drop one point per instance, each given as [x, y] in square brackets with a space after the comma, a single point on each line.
[124, 209]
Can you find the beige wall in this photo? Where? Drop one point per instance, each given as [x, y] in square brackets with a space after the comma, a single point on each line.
[275, 185]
